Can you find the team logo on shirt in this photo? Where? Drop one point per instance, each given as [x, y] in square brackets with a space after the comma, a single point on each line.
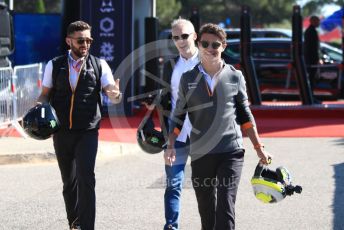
[192, 85]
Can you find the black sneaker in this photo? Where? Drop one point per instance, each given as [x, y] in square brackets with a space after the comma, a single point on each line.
[75, 225]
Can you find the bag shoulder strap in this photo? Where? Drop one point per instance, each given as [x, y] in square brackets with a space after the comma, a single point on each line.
[96, 66]
[57, 64]
[98, 72]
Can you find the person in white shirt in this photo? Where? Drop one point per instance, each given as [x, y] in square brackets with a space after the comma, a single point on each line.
[184, 37]
[73, 83]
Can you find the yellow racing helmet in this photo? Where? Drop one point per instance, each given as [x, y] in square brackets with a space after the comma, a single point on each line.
[271, 186]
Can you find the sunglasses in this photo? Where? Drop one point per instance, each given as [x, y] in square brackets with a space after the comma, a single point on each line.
[214, 45]
[182, 37]
[81, 41]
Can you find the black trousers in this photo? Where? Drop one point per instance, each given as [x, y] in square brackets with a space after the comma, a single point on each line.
[76, 155]
[312, 74]
[215, 178]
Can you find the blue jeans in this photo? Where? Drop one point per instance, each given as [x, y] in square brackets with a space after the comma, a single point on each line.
[174, 184]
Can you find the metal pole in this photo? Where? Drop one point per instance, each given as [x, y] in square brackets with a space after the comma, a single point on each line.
[151, 64]
[11, 5]
[246, 57]
[298, 59]
[153, 8]
[341, 72]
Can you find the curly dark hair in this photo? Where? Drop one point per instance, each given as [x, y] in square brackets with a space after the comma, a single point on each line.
[77, 26]
[214, 29]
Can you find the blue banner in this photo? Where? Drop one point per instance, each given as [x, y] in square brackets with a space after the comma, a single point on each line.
[111, 22]
[37, 38]
[333, 21]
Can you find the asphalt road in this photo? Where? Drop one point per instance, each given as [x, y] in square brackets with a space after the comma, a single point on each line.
[130, 191]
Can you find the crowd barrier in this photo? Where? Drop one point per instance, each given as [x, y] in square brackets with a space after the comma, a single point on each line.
[6, 102]
[19, 90]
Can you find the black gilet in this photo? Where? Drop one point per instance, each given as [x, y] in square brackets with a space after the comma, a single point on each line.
[79, 108]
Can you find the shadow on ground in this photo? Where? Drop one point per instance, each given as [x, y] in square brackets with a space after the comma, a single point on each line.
[338, 201]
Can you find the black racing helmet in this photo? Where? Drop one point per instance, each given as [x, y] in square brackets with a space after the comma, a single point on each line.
[40, 122]
[271, 186]
[149, 139]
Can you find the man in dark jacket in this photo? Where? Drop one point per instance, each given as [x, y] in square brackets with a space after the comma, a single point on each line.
[214, 96]
[312, 49]
[72, 83]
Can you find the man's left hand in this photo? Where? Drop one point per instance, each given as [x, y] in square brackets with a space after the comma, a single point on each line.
[265, 157]
[113, 92]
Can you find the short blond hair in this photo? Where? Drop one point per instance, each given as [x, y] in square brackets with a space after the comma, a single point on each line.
[182, 21]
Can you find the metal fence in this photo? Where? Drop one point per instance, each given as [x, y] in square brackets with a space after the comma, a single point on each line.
[19, 90]
[27, 85]
[6, 102]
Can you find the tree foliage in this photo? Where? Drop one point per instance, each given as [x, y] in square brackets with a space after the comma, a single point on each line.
[167, 10]
[315, 6]
[36, 6]
[40, 7]
[263, 12]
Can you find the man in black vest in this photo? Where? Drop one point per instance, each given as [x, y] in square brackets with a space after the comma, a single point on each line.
[214, 96]
[72, 83]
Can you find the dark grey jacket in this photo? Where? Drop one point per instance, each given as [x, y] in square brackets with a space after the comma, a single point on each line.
[165, 95]
[311, 46]
[215, 118]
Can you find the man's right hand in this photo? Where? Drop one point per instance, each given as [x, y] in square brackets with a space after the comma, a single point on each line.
[170, 155]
